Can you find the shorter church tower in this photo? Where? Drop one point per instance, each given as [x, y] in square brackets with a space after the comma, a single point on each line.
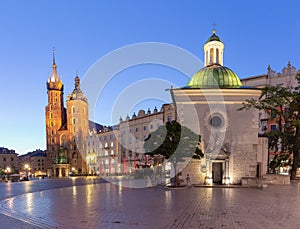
[78, 126]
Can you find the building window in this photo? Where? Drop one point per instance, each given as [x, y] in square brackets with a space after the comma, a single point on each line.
[169, 118]
[4, 159]
[73, 109]
[50, 107]
[273, 114]
[112, 144]
[273, 128]
[211, 61]
[286, 110]
[73, 121]
[216, 121]
[51, 115]
[145, 127]
[106, 145]
[151, 126]
[136, 129]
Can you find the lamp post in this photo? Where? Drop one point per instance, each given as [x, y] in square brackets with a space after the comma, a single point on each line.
[7, 172]
[26, 170]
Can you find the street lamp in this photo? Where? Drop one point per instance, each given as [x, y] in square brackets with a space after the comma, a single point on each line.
[7, 172]
[26, 169]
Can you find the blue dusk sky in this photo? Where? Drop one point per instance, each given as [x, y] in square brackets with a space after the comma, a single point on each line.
[255, 34]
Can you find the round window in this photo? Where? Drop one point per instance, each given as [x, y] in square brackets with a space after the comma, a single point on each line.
[216, 121]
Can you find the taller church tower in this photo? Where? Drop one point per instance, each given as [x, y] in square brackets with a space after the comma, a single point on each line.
[55, 114]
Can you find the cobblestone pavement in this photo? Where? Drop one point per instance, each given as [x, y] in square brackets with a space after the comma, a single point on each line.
[106, 205]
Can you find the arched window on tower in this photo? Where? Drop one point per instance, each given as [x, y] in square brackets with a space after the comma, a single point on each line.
[73, 109]
[206, 58]
[50, 107]
[217, 56]
[51, 115]
[63, 141]
[211, 56]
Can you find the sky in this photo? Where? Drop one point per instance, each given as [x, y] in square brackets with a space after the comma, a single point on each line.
[255, 34]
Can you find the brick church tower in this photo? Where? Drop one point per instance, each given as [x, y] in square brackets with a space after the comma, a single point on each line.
[66, 129]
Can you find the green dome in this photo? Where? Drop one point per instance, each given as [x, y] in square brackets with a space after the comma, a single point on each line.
[213, 37]
[214, 76]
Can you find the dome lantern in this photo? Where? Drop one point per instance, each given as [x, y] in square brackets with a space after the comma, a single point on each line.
[213, 50]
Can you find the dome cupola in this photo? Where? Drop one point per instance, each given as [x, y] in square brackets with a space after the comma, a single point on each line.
[213, 50]
[214, 74]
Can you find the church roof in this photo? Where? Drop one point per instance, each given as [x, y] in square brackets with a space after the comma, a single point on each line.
[213, 37]
[77, 92]
[214, 76]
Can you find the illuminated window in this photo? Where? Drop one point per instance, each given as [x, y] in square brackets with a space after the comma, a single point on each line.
[211, 60]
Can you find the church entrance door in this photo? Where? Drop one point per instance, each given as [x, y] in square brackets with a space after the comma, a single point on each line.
[56, 172]
[217, 172]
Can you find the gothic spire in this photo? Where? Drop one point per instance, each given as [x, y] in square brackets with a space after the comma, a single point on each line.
[54, 77]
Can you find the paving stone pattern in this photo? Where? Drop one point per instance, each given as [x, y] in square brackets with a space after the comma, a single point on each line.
[105, 205]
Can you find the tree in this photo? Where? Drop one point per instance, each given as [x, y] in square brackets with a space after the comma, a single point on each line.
[174, 142]
[283, 105]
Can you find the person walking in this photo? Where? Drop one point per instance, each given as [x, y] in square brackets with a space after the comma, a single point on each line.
[188, 180]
